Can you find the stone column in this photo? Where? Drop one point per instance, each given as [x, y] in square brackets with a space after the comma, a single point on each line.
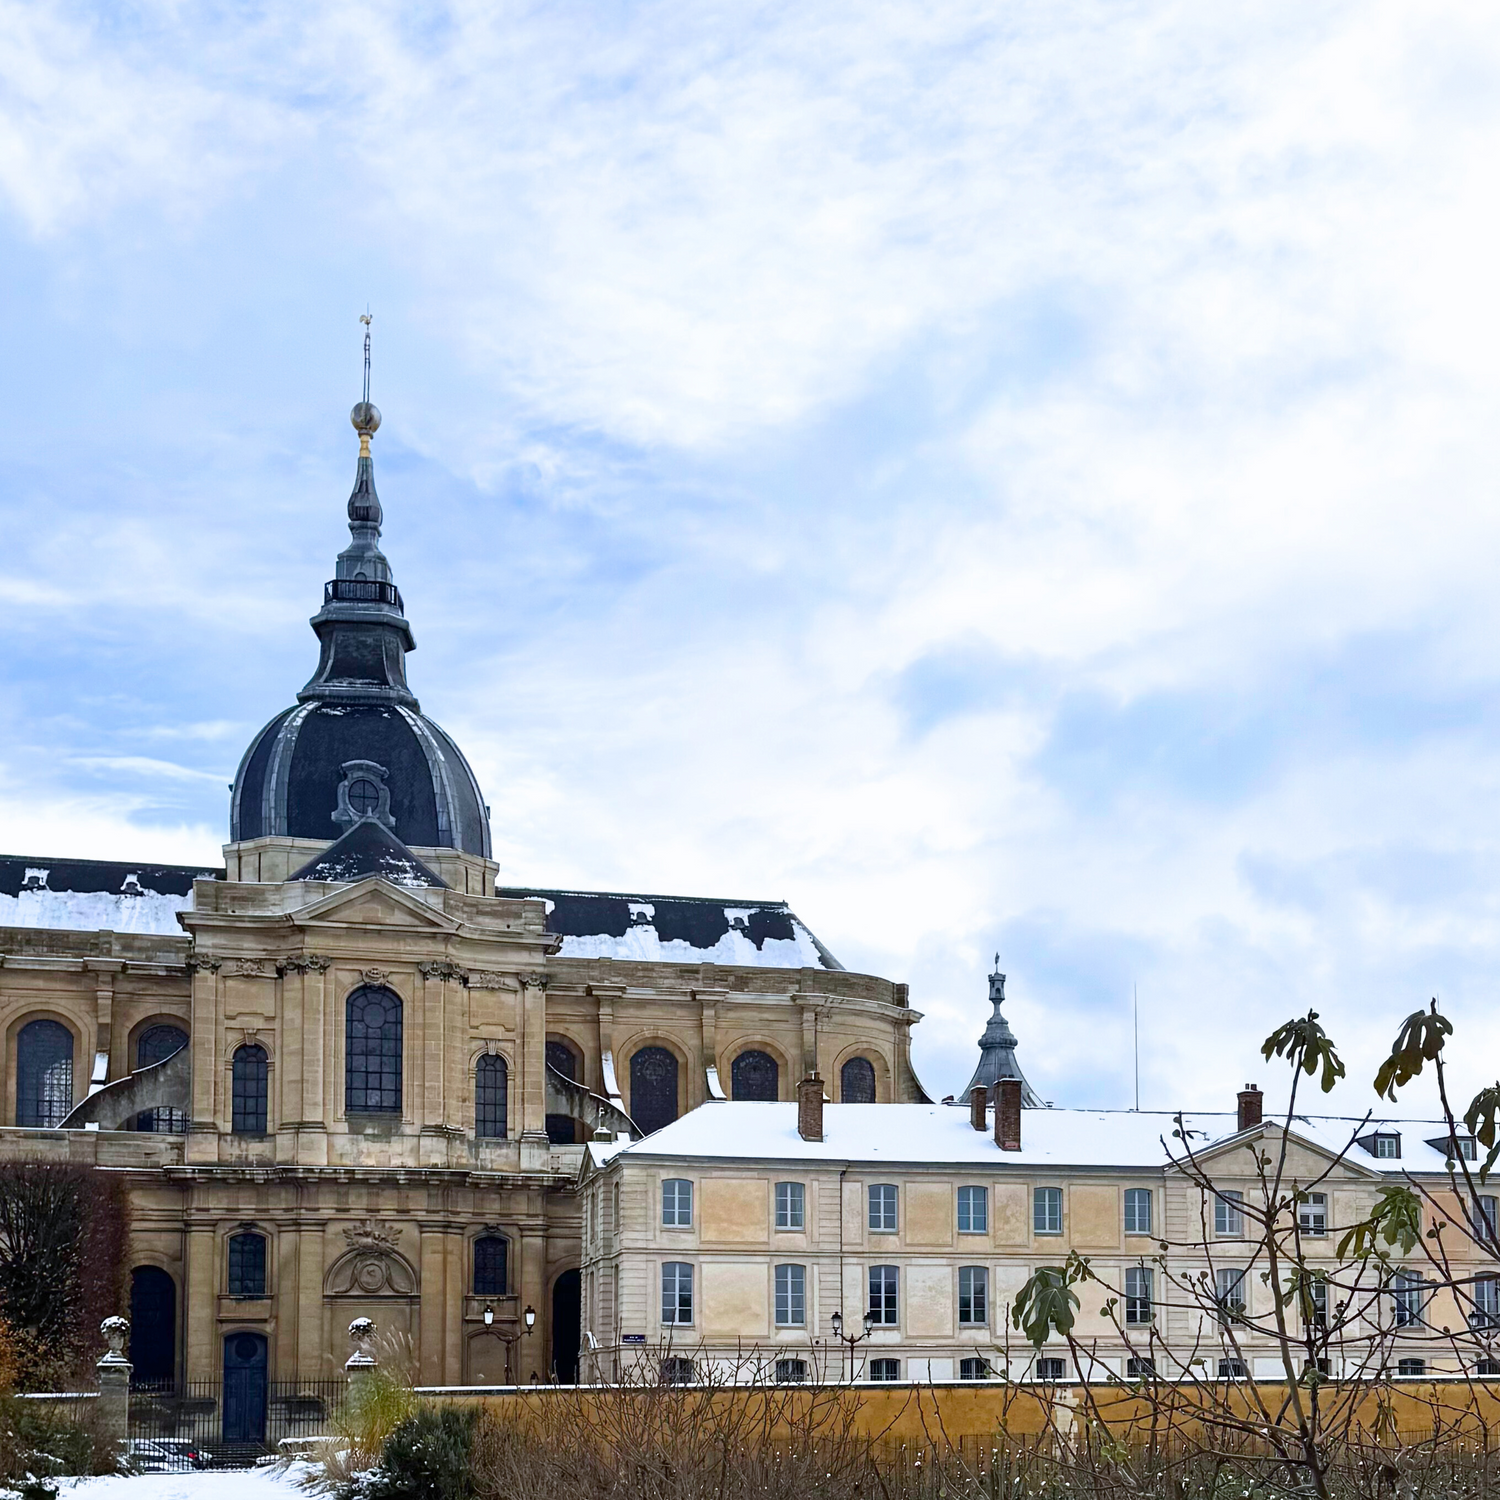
[114, 1382]
[533, 1351]
[533, 1060]
[200, 1295]
[441, 1337]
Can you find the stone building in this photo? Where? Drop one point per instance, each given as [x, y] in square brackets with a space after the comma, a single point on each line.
[749, 1235]
[350, 1072]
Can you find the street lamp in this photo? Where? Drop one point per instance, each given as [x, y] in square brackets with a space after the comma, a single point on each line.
[489, 1316]
[850, 1339]
[511, 1339]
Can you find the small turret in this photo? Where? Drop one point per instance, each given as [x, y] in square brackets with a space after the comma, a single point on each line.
[997, 1050]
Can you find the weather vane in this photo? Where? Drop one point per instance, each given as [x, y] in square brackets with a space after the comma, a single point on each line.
[367, 317]
[365, 416]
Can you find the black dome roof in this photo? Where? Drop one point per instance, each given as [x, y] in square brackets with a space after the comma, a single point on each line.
[356, 745]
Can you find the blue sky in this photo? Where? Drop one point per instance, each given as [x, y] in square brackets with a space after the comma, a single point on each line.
[1005, 476]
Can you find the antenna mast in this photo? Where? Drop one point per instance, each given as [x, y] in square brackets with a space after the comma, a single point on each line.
[1135, 1006]
[366, 317]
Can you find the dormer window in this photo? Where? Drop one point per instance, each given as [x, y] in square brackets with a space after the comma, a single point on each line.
[1382, 1144]
[1467, 1147]
[36, 880]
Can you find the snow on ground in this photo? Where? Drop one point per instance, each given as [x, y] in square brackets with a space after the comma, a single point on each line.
[243, 1484]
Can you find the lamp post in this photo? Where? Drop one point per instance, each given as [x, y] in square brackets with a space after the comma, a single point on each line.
[850, 1339]
[510, 1339]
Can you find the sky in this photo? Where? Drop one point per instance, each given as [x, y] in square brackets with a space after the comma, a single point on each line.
[1004, 478]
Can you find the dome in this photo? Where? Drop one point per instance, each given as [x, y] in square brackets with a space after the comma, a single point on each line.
[356, 745]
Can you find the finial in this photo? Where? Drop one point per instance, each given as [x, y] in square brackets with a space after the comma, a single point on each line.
[366, 416]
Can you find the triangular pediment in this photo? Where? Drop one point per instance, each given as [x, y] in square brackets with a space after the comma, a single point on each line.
[1231, 1151]
[374, 902]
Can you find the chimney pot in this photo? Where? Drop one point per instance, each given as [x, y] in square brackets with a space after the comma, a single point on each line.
[1249, 1107]
[810, 1108]
[1008, 1114]
[978, 1101]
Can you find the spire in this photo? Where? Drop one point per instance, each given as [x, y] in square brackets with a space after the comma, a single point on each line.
[997, 1049]
[362, 626]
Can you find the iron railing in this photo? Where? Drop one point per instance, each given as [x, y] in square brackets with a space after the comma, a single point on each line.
[194, 1414]
[362, 591]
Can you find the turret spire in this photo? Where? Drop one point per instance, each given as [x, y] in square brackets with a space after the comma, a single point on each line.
[997, 1049]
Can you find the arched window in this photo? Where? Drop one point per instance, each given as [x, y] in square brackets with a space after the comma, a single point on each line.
[247, 1265]
[153, 1328]
[44, 1073]
[754, 1075]
[490, 1256]
[491, 1096]
[653, 1088]
[857, 1081]
[562, 1129]
[250, 1088]
[156, 1044]
[372, 1052]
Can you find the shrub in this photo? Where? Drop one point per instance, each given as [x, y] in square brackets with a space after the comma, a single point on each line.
[427, 1457]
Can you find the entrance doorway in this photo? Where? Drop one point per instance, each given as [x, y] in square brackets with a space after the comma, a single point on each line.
[566, 1318]
[245, 1366]
[153, 1328]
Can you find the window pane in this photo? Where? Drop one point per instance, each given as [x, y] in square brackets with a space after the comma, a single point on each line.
[755, 1075]
[885, 1369]
[249, 1091]
[676, 1292]
[653, 1088]
[1047, 1210]
[677, 1203]
[857, 1081]
[883, 1206]
[490, 1256]
[973, 1210]
[44, 1073]
[1138, 1211]
[791, 1296]
[372, 1052]
[1137, 1294]
[883, 1295]
[790, 1205]
[247, 1265]
[156, 1044]
[1228, 1220]
[973, 1295]
[491, 1097]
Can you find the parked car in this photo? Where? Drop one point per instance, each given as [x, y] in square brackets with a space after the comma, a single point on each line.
[164, 1456]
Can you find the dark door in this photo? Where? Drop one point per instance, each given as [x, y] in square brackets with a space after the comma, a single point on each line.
[245, 1363]
[153, 1328]
[566, 1310]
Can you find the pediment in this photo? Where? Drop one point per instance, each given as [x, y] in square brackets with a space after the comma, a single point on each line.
[1305, 1157]
[374, 902]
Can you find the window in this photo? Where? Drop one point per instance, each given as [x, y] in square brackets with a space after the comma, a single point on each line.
[676, 1292]
[372, 1052]
[1466, 1147]
[1388, 1147]
[653, 1088]
[857, 1084]
[250, 1079]
[791, 1371]
[491, 1253]
[1046, 1210]
[491, 1096]
[1137, 1368]
[754, 1075]
[883, 1296]
[1406, 1298]
[1411, 1366]
[676, 1371]
[791, 1199]
[677, 1203]
[562, 1130]
[883, 1207]
[1138, 1295]
[1486, 1312]
[1231, 1369]
[1486, 1221]
[1137, 1210]
[973, 1368]
[1229, 1219]
[1051, 1369]
[1229, 1289]
[973, 1296]
[156, 1044]
[1315, 1303]
[247, 1265]
[791, 1296]
[44, 1073]
[885, 1369]
[1490, 1367]
[973, 1210]
[1312, 1216]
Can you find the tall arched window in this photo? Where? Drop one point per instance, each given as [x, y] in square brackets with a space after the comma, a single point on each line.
[247, 1265]
[153, 1328]
[491, 1096]
[250, 1090]
[156, 1044]
[754, 1075]
[372, 1052]
[490, 1253]
[653, 1088]
[561, 1129]
[44, 1073]
[857, 1081]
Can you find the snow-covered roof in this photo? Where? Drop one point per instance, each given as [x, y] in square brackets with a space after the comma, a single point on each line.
[678, 929]
[92, 895]
[938, 1135]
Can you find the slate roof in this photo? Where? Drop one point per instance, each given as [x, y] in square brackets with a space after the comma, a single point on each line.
[369, 848]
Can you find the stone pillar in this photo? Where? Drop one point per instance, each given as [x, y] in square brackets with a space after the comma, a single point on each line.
[114, 1382]
[200, 1295]
[442, 1302]
[204, 1033]
[532, 1353]
[362, 1363]
[533, 1059]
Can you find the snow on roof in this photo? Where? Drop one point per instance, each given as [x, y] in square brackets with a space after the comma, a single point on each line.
[937, 1134]
[679, 929]
[91, 895]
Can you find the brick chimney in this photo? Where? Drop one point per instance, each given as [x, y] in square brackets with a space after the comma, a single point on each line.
[810, 1108]
[978, 1099]
[1250, 1100]
[1008, 1114]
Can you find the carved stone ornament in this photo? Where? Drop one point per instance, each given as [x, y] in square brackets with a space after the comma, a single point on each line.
[371, 1235]
[115, 1330]
[377, 976]
[485, 979]
[443, 970]
[362, 1336]
[203, 961]
[308, 964]
[534, 981]
[247, 966]
[371, 1266]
